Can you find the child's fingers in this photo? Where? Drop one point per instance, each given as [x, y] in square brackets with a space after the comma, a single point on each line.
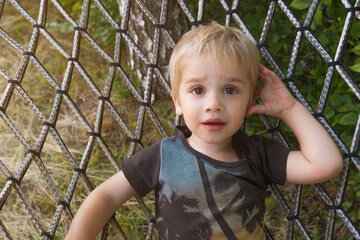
[262, 67]
[258, 108]
[266, 72]
[264, 79]
[261, 78]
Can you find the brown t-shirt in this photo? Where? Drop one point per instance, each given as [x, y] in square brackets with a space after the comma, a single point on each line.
[198, 197]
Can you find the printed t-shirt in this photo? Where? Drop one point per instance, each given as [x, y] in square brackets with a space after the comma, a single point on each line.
[198, 197]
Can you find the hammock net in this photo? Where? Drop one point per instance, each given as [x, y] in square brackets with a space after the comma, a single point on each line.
[84, 85]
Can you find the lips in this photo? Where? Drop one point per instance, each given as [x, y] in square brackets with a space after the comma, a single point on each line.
[213, 124]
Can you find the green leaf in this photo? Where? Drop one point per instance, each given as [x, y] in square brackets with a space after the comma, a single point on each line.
[324, 39]
[355, 68]
[337, 101]
[349, 107]
[300, 4]
[356, 49]
[349, 119]
[355, 29]
[76, 6]
[347, 205]
[329, 113]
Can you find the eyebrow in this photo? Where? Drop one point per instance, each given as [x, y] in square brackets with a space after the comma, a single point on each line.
[235, 79]
[202, 79]
[195, 79]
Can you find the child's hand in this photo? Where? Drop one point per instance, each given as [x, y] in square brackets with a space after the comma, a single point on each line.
[276, 99]
[317, 164]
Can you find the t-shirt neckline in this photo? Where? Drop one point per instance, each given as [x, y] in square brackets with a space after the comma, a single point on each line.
[183, 132]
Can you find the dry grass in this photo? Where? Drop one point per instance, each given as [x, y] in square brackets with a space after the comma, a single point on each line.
[14, 215]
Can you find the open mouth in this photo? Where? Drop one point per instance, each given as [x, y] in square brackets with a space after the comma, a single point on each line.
[213, 124]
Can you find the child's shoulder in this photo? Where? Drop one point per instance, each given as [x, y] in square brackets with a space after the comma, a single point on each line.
[256, 144]
[249, 139]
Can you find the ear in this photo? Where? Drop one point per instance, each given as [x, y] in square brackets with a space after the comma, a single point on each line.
[178, 108]
[252, 101]
[253, 96]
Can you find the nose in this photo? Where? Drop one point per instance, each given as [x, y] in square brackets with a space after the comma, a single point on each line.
[214, 103]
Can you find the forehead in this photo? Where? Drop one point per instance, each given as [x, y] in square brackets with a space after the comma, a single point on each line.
[208, 65]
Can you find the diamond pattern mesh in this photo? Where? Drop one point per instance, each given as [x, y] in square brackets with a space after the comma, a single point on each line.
[56, 104]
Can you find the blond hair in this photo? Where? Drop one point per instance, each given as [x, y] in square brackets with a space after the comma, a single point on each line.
[223, 43]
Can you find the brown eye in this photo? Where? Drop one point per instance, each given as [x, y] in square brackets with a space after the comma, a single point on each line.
[230, 90]
[198, 91]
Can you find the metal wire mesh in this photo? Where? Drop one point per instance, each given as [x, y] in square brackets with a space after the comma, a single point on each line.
[102, 97]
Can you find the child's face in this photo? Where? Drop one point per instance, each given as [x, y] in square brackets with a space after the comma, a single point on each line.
[213, 98]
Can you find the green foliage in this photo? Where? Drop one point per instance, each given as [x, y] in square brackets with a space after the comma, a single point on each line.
[355, 183]
[356, 67]
[342, 109]
[356, 49]
[300, 4]
[316, 232]
[99, 26]
[62, 27]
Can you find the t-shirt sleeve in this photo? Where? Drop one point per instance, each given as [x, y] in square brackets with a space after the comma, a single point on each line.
[142, 169]
[271, 156]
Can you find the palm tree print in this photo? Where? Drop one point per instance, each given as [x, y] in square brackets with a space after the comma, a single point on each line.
[222, 183]
[179, 219]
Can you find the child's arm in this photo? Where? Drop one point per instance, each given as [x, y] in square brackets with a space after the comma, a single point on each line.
[99, 206]
[319, 159]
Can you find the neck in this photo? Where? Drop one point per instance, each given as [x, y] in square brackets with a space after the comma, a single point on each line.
[223, 152]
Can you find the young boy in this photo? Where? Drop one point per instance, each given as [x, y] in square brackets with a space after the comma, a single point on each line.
[209, 177]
